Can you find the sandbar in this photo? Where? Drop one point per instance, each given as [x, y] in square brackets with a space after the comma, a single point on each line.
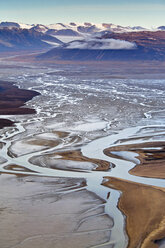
[144, 209]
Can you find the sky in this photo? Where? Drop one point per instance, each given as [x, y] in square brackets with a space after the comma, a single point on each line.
[147, 13]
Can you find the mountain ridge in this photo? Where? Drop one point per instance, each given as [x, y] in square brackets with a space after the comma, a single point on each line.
[21, 39]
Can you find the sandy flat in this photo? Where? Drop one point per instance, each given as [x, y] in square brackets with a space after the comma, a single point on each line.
[144, 209]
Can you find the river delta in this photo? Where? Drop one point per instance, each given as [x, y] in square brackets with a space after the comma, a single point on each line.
[88, 168]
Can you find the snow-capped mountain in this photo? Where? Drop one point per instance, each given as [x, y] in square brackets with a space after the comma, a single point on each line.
[72, 29]
[78, 29]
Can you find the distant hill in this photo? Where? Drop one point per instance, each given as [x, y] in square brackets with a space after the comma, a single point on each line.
[143, 45]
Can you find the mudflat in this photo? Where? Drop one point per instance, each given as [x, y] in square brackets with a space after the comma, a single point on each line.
[38, 212]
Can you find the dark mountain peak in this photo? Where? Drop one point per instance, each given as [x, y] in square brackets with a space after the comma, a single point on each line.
[161, 28]
[40, 28]
[61, 24]
[88, 24]
[9, 25]
[88, 29]
[73, 24]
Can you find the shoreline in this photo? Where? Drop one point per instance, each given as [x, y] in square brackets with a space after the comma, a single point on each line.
[12, 99]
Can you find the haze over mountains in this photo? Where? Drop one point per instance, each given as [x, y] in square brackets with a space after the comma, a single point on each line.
[85, 41]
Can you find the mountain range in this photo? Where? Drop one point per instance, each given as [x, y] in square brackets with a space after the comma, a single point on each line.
[85, 41]
[76, 29]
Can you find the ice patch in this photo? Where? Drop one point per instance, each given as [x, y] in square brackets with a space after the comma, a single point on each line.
[88, 127]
